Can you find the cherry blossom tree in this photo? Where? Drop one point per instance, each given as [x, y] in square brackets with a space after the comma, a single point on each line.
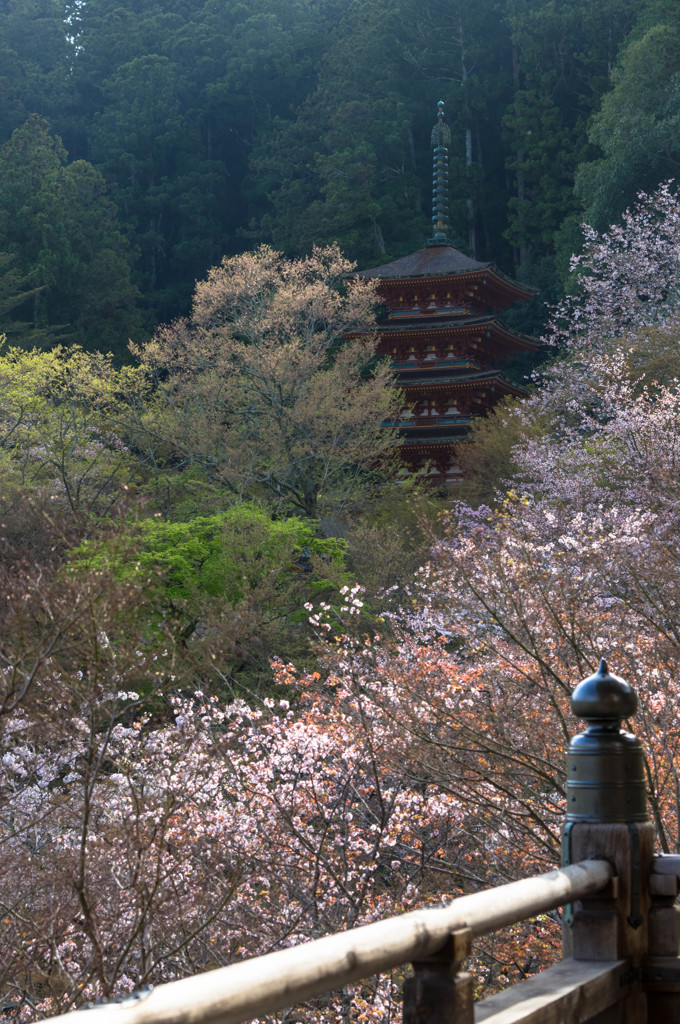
[157, 851]
[626, 277]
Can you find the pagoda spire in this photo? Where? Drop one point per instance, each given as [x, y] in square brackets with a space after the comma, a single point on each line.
[441, 137]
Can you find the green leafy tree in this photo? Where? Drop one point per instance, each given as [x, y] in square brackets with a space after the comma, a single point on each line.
[561, 57]
[231, 586]
[637, 126]
[17, 293]
[61, 414]
[36, 60]
[148, 141]
[348, 155]
[228, 554]
[59, 224]
[178, 94]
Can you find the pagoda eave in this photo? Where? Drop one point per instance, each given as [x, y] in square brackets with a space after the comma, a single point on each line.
[430, 442]
[414, 444]
[501, 290]
[451, 385]
[465, 326]
[432, 262]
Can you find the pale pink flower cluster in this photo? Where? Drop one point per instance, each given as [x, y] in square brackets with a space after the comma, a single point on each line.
[146, 852]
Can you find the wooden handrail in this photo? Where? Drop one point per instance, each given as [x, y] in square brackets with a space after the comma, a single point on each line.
[251, 988]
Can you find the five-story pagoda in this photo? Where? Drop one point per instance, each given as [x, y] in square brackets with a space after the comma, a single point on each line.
[443, 336]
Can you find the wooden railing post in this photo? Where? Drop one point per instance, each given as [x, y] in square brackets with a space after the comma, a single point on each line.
[437, 992]
[661, 967]
[664, 914]
[607, 819]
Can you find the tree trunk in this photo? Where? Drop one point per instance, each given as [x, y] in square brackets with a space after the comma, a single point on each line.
[521, 251]
[472, 235]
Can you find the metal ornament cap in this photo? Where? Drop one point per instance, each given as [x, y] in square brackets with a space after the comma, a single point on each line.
[605, 766]
[604, 700]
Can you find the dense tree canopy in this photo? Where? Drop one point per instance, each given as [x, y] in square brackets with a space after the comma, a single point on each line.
[61, 229]
[298, 124]
[636, 127]
[264, 390]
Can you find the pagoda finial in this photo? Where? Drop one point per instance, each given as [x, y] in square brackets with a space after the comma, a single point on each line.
[441, 137]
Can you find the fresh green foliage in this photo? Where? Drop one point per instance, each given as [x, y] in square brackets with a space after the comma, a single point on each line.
[230, 587]
[61, 417]
[228, 555]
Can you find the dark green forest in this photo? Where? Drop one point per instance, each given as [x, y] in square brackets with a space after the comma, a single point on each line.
[142, 142]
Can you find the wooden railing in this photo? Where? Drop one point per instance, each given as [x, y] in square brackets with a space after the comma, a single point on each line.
[621, 935]
[269, 983]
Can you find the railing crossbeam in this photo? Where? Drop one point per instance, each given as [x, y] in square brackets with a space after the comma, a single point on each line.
[574, 990]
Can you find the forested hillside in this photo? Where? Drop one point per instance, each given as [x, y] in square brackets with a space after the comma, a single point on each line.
[155, 138]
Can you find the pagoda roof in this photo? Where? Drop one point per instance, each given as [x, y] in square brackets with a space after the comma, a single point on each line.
[426, 325]
[432, 261]
[441, 260]
[422, 381]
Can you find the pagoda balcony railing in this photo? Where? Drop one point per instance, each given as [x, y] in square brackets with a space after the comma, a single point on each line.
[429, 364]
[621, 922]
[429, 310]
[428, 421]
